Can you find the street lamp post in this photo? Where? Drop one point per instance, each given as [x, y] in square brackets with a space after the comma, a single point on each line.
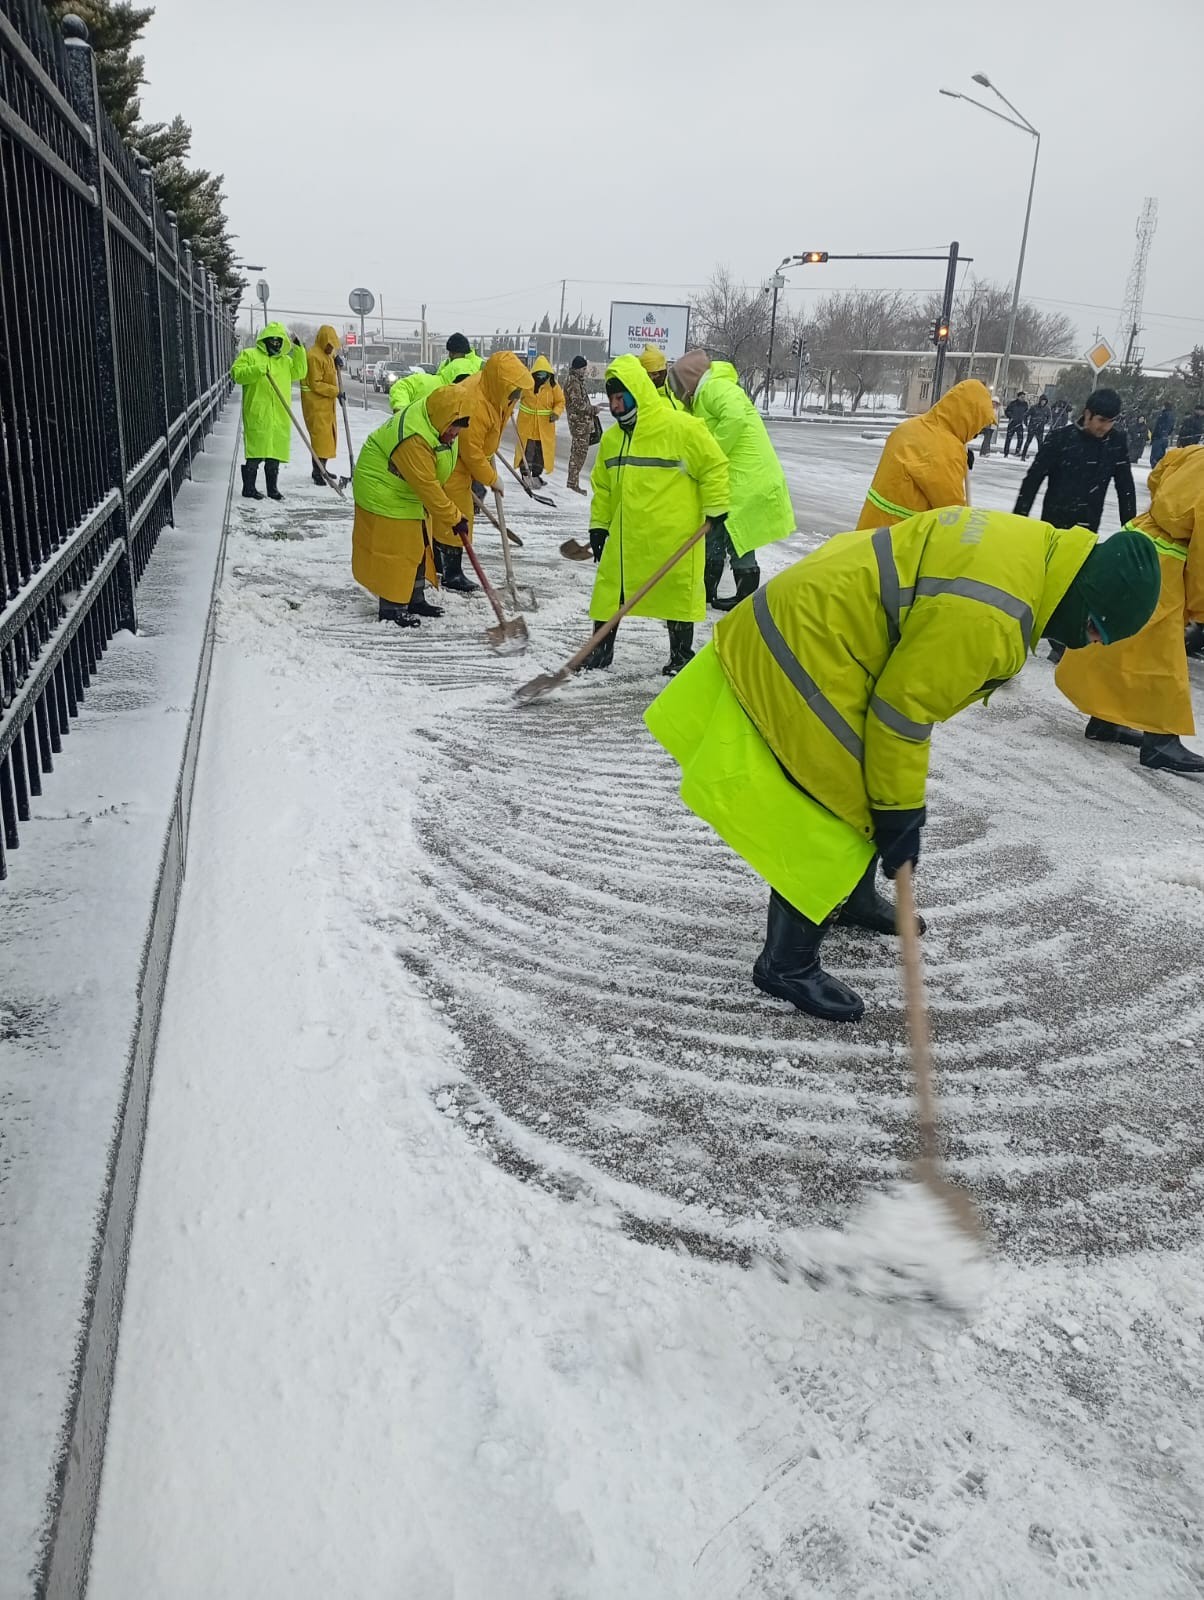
[1017, 120]
[776, 283]
[249, 266]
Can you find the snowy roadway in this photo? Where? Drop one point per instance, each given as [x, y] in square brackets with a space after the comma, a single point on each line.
[465, 1115]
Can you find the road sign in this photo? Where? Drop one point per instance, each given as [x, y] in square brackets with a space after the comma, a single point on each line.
[361, 301]
[261, 289]
[532, 352]
[1099, 355]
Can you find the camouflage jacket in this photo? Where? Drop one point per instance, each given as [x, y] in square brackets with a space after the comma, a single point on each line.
[578, 406]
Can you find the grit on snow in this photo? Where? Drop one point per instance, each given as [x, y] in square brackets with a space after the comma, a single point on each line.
[467, 1119]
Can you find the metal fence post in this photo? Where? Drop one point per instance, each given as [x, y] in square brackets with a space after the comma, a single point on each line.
[85, 97]
[156, 311]
[181, 358]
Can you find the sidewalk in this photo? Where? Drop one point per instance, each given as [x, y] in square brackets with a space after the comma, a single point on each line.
[465, 1110]
[85, 928]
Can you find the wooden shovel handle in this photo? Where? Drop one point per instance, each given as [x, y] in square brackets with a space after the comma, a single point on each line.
[490, 591]
[918, 1030]
[330, 483]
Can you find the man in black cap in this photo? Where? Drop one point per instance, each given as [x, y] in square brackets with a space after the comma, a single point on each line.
[1080, 462]
[583, 430]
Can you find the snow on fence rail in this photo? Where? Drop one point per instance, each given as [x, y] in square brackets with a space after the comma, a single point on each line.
[114, 352]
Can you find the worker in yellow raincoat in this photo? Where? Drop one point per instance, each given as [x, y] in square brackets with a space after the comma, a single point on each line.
[658, 477]
[1137, 693]
[402, 502]
[495, 390]
[320, 397]
[535, 421]
[802, 730]
[925, 460]
[656, 365]
[266, 372]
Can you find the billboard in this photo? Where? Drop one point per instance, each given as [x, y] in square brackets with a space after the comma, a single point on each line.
[635, 323]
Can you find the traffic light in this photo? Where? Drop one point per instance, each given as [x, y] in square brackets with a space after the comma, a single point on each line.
[796, 346]
[940, 332]
[812, 258]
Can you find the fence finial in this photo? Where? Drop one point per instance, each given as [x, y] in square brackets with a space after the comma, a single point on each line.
[75, 29]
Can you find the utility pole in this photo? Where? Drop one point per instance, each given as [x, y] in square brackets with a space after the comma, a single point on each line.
[974, 338]
[804, 361]
[422, 355]
[776, 282]
[942, 341]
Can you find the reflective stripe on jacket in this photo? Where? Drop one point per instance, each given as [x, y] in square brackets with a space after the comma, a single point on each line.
[845, 661]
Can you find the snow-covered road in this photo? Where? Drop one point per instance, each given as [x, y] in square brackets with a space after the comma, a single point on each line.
[465, 1114]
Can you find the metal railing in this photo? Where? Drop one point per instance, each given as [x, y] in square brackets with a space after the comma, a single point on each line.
[114, 352]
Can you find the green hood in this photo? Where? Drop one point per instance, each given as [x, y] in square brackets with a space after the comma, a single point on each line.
[274, 330]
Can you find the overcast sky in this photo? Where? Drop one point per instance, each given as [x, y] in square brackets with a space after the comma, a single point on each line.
[473, 154]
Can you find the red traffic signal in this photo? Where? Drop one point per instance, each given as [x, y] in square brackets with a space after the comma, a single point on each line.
[812, 258]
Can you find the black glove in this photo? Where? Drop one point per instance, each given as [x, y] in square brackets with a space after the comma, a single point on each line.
[969, 459]
[339, 362]
[597, 541]
[461, 528]
[897, 836]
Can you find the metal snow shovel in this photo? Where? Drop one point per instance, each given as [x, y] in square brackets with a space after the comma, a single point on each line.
[509, 637]
[331, 483]
[548, 681]
[526, 601]
[574, 550]
[928, 1171]
[544, 500]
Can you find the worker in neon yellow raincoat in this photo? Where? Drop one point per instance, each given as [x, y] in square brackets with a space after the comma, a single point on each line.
[656, 365]
[535, 421]
[761, 512]
[925, 460]
[267, 428]
[320, 398]
[462, 360]
[802, 730]
[1137, 693]
[658, 477]
[495, 391]
[414, 386]
[402, 503]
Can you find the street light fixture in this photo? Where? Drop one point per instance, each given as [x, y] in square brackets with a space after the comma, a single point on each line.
[1016, 120]
[776, 283]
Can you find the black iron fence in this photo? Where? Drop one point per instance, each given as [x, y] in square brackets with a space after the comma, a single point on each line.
[114, 352]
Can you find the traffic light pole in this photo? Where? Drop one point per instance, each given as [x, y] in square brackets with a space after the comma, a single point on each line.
[941, 332]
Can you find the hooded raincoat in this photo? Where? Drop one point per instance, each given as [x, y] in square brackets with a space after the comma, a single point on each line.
[816, 701]
[537, 413]
[761, 511]
[320, 393]
[266, 426]
[400, 494]
[923, 462]
[414, 386]
[491, 404]
[653, 488]
[1142, 682]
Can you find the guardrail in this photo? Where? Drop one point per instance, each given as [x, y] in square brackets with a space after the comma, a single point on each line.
[115, 348]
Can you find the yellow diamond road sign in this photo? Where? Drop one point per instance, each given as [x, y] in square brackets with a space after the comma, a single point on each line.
[1100, 354]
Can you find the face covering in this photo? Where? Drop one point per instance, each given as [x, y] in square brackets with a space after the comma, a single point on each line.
[272, 346]
[626, 418]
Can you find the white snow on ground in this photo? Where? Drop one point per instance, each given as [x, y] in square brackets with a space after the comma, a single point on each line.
[465, 1115]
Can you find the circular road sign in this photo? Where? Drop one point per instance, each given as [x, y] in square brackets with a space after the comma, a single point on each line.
[261, 289]
[361, 301]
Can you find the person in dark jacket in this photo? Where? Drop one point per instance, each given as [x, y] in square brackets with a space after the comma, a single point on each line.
[1164, 432]
[1038, 423]
[1061, 414]
[1137, 431]
[1079, 463]
[1017, 415]
[1192, 431]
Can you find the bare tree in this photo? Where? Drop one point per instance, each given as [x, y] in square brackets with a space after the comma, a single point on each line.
[732, 322]
[847, 329]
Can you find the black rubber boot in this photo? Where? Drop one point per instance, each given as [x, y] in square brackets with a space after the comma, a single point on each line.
[747, 582]
[1111, 733]
[868, 908]
[249, 473]
[788, 968]
[315, 476]
[712, 575]
[271, 475]
[601, 656]
[391, 611]
[453, 572]
[1193, 638]
[420, 606]
[1166, 752]
[681, 647]
[1056, 651]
